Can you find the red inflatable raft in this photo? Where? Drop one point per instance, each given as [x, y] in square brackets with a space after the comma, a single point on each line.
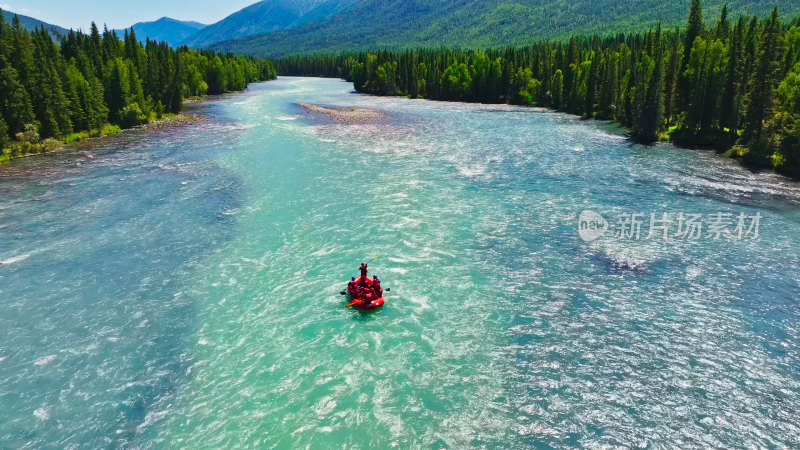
[362, 301]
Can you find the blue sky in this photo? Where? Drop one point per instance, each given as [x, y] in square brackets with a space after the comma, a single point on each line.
[122, 13]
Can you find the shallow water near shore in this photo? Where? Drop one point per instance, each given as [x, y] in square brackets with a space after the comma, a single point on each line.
[181, 289]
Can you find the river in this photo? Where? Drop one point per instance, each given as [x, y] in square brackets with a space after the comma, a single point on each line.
[181, 289]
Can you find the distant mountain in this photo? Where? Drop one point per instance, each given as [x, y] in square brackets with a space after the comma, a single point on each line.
[392, 24]
[266, 16]
[165, 29]
[29, 23]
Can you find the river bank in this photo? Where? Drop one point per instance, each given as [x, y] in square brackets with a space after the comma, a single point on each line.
[85, 139]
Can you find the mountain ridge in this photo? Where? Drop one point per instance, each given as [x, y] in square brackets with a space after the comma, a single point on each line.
[30, 24]
[266, 16]
[397, 24]
[172, 31]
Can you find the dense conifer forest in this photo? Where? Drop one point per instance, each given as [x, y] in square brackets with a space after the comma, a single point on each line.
[97, 83]
[733, 85]
[365, 25]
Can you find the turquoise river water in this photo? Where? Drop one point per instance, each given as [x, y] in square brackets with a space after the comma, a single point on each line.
[181, 289]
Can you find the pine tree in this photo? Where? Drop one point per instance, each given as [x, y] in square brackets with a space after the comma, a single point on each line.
[570, 64]
[792, 43]
[557, 88]
[118, 90]
[4, 138]
[95, 51]
[50, 105]
[651, 115]
[215, 76]
[607, 85]
[723, 28]
[5, 37]
[112, 48]
[761, 87]
[591, 85]
[787, 123]
[729, 108]
[546, 76]
[669, 81]
[715, 77]
[175, 90]
[632, 98]
[694, 29]
[749, 56]
[21, 56]
[15, 103]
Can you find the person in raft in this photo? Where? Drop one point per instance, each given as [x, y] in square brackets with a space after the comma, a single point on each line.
[373, 291]
[376, 287]
[352, 287]
[363, 269]
[356, 285]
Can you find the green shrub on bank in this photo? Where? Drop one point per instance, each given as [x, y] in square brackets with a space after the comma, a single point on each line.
[132, 116]
[77, 137]
[110, 129]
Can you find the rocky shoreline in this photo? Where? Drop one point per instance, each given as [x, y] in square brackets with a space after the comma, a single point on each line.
[157, 126]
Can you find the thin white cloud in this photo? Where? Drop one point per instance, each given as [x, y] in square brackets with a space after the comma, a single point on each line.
[27, 11]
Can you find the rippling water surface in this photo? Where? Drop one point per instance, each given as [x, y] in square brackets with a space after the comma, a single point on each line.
[181, 289]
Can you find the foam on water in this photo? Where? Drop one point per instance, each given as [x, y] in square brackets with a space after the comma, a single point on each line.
[46, 360]
[13, 260]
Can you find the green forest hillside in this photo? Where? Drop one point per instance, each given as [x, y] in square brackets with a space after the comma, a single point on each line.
[396, 24]
[266, 16]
